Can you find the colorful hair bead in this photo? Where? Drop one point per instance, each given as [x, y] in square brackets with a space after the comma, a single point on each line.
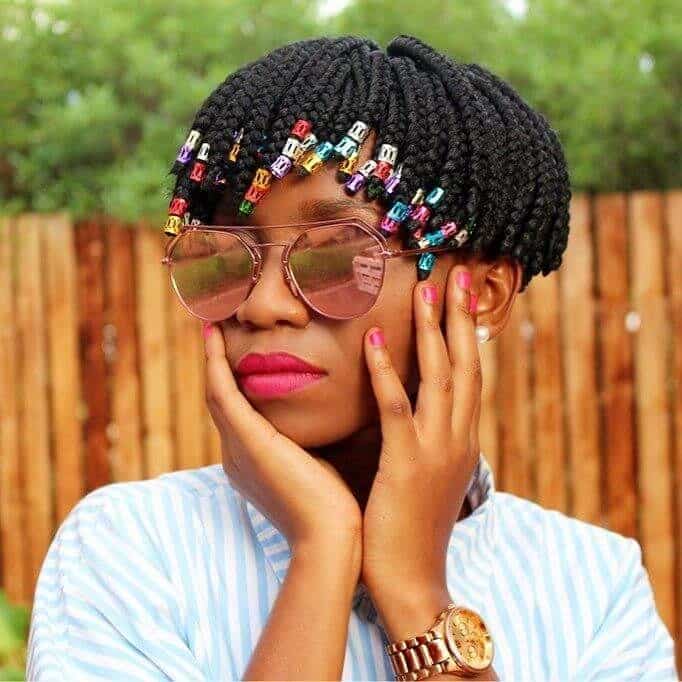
[309, 142]
[393, 179]
[234, 150]
[388, 225]
[425, 264]
[314, 159]
[388, 153]
[173, 225]
[301, 129]
[398, 211]
[359, 178]
[351, 141]
[418, 197]
[281, 166]
[293, 148]
[185, 152]
[178, 206]
[199, 168]
[420, 213]
[246, 207]
[347, 167]
[434, 196]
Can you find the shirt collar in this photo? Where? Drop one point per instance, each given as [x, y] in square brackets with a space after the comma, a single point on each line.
[470, 551]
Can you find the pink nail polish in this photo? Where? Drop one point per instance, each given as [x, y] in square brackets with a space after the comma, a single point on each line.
[376, 338]
[474, 303]
[464, 279]
[429, 293]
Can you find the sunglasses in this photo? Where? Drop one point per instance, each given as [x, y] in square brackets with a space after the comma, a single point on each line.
[335, 266]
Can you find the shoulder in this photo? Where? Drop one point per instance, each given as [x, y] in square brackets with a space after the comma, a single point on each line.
[188, 486]
[144, 516]
[552, 529]
[568, 553]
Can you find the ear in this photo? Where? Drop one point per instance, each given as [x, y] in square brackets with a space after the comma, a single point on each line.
[496, 283]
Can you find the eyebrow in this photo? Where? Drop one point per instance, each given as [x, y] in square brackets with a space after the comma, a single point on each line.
[320, 209]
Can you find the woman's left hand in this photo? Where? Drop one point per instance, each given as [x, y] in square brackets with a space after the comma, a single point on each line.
[427, 458]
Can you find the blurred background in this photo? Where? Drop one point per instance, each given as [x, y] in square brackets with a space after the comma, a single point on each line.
[101, 369]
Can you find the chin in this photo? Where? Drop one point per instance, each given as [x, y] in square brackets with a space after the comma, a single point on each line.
[310, 428]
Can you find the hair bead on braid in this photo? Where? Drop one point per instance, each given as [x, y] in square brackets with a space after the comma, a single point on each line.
[459, 159]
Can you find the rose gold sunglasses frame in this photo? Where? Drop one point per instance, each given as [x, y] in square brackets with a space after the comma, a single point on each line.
[254, 249]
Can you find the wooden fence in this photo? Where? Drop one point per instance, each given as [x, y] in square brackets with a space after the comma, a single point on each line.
[101, 379]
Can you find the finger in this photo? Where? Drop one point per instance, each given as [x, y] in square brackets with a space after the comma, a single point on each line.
[463, 351]
[434, 400]
[395, 411]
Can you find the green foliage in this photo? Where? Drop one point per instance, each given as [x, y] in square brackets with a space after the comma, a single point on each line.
[14, 622]
[95, 100]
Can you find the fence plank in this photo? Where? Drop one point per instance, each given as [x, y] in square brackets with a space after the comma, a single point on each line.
[61, 296]
[653, 424]
[488, 425]
[187, 352]
[90, 250]
[34, 426]
[12, 525]
[673, 219]
[514, 403]
[616, 365]
[578, 316]
[152, 322]
[125, 429]
[550, 463]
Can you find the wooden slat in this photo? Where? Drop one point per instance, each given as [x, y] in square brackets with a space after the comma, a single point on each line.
[516, 464]
[12, 526]
[34, 434]
[616, 365]
[488, 425]
[578, 331]
[187, 365]
[653, 422]
[125, 430]
[58, 247]
[152, 322]
[547, 393]
[673, 219]
[90, 251]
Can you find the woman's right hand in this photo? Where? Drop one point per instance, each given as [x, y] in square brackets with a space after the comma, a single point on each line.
[305, 497]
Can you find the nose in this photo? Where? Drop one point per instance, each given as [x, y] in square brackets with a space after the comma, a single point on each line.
[273, 299]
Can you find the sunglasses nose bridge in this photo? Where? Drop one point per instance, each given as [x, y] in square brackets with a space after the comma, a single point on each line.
[284, 264]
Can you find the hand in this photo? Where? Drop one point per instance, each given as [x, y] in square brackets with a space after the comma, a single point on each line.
[305, 497]
[427, 458]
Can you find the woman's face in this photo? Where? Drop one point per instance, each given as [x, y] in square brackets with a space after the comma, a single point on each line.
[273, 319]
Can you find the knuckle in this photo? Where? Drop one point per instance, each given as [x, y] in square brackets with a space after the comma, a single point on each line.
[443, 382]
[473, 369]
[430, 323]
[399, 407]
[461, 308]
[382, 367]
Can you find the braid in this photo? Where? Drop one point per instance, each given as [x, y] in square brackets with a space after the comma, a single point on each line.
[495, 164]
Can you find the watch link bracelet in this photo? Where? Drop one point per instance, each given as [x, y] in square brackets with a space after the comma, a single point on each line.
[458, 641]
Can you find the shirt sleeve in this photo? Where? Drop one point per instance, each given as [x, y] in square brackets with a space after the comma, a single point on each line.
[632, 641]
[104, 606]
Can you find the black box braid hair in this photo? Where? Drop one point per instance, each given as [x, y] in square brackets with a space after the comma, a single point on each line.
[455, 125]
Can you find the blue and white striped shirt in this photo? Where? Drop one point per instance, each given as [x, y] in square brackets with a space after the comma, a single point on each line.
[174, 577]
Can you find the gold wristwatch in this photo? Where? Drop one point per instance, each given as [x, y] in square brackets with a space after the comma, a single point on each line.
[458, 641]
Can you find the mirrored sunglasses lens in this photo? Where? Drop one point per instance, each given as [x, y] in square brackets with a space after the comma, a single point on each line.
[211, 273]
[339, 269]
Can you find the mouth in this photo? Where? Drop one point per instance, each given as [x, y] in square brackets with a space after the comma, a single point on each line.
[275, 374]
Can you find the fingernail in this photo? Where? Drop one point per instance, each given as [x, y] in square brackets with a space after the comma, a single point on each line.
[206, 329]
[429, 293]
[376, 338]
[473, 303]
[464, 279]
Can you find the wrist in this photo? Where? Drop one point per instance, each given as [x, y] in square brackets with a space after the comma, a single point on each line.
[408, 613]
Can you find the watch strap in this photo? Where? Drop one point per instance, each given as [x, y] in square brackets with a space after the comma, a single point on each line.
[419, 657]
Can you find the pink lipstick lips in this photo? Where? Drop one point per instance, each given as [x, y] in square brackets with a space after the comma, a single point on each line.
[275, 374]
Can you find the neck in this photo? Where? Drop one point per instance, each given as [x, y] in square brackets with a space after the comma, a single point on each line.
[356, 458]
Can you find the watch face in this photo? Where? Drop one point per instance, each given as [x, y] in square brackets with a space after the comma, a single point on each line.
[469, 639]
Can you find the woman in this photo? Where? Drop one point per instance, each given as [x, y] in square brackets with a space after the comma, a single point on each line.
[353, 509]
